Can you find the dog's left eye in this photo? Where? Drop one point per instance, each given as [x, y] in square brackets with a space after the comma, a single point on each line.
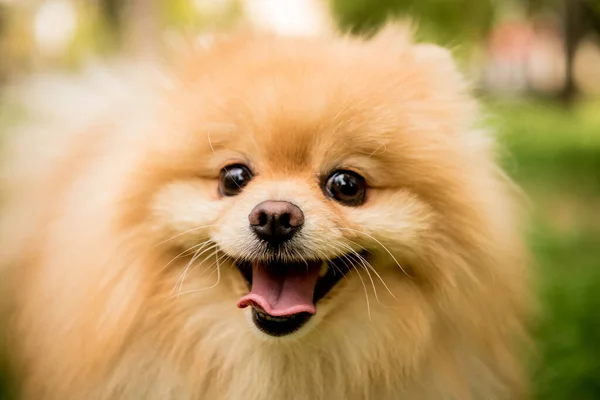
[347, 187]
[233, 179]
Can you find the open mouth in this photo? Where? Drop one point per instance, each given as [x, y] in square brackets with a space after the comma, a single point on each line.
[283, 296]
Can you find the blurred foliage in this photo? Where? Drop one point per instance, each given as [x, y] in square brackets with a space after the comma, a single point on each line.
[183, 14]
[102, 27]
[451, 23]
[557, 4]
[555, 156]
[19, 52]
[556, 148]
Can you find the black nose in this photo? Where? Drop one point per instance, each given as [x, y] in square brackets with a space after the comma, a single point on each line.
[276, 221]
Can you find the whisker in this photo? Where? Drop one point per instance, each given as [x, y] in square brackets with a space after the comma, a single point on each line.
[368, 273]
[216, 262]
[216, 251]
[210, 142]
[218, 269]
[352, 266]
[381, 244]
[196, 255]
[325, 258]
[183, 233]
[365, 289]
[184, 253]
[366, 263]
[181, 281]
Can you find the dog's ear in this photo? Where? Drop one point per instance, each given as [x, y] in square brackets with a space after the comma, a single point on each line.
[396, 39]
[427, 52]
[439, 57]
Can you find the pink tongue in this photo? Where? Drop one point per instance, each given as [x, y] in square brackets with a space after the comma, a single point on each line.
[282, 294]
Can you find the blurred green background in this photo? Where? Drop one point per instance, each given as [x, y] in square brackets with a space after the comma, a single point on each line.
[535, 65]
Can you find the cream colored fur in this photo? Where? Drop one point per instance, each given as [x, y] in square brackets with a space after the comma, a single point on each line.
[117, 175]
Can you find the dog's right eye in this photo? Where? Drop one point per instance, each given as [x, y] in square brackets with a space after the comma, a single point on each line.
[346, 187]
[233, 179]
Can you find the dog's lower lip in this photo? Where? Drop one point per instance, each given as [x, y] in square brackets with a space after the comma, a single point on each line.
[275, 326]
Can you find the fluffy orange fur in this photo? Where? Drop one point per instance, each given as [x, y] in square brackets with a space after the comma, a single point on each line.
[116, 177]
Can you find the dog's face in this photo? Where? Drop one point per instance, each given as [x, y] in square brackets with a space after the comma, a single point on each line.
[284, 218]
[304, 181]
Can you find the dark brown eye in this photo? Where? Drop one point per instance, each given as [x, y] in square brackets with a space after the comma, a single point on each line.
[346, 187]
[233, 179]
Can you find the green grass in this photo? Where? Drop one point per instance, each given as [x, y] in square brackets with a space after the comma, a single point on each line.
[555, 155]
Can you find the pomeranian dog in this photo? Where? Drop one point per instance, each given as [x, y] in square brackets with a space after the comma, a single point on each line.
[264, 218]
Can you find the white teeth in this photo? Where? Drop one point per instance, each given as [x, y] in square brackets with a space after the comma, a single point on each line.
[324, 268]
[275, 319]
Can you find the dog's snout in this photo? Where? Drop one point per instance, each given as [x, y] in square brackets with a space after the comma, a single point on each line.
[276, 221]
